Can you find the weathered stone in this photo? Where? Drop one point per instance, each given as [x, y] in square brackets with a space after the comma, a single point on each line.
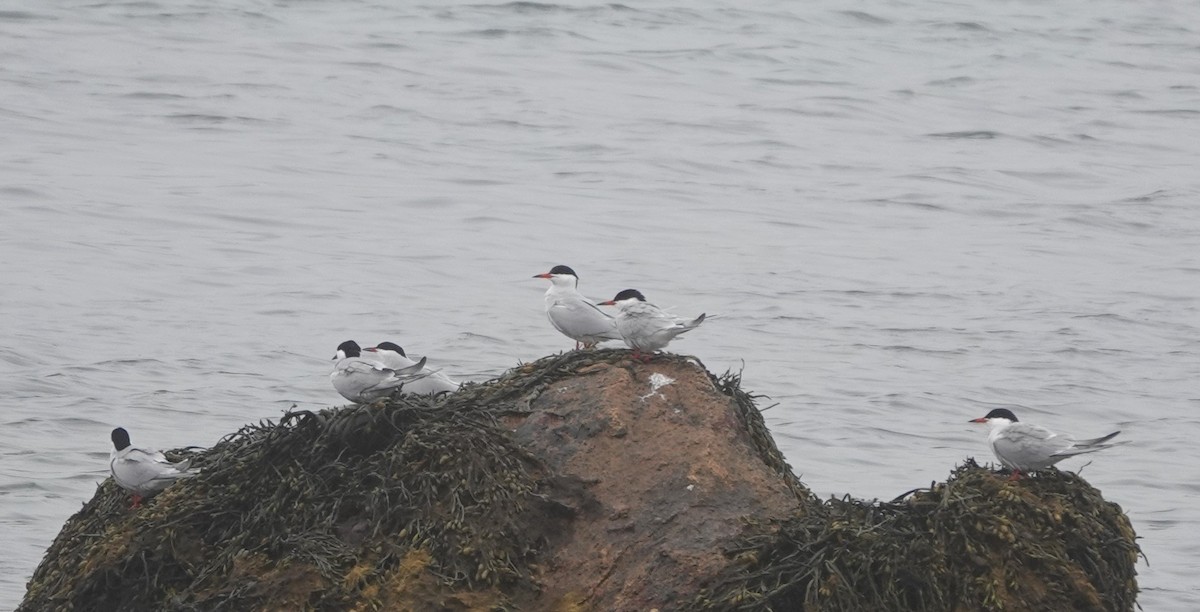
[672, 473]
[584, 481]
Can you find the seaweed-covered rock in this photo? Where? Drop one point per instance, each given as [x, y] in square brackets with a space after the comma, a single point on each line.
[583, 481]
[979, 541]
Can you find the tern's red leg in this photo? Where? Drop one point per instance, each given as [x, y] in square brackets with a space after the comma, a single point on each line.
[137, 502]
[1016, 475]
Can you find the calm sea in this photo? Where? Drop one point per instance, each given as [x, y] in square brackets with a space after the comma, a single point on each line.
[905, 213]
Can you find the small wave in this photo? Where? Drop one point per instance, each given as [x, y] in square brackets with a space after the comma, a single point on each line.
[907, 203]
[1104, 316]
[212, 120]
[123, 362]
[801, 82]
[1127, 94]
[957, 81]
[483, 219]
[20, 16]
[966, 26]
[197, 118]
[1153, 196]
[152, 95]
[1107, 221]
[526, 7]
[865, 17]
[967, 135]
[1170, 112]
[21, 192]
[493, 33]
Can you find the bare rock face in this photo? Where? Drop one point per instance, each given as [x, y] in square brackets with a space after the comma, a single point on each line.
[583, 481]
[671, 472]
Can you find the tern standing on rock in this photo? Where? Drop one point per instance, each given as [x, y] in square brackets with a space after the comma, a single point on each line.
[143, 472]
[1024, 447]
[644, 326]
[361, 379]
[572, 314]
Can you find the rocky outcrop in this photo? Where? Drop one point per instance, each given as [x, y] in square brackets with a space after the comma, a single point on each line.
[583, 481]
[978, 541]
[671, 464]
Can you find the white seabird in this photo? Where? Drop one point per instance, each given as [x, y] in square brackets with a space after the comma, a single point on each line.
[362, 379]
[143, 472]
[393, 356]
[1025, 447]
[644, 326]
[574, 315]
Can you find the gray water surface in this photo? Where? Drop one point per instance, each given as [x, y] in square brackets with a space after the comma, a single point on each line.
[905, 214]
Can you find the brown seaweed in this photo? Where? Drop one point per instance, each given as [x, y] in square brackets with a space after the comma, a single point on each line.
[979, 541]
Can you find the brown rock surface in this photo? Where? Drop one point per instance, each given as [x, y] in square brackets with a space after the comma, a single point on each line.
[671, 473]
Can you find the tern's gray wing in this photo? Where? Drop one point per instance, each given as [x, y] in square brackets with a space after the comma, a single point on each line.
[647, 327]
[1079, 447]
[356, 376]
[434, 382]
[579, 319]
[414, 371]
[694, 323]
[359, 380]
[145, 472]
[1026, 447]
[1096, 441]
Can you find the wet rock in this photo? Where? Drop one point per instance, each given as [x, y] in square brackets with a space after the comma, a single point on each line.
[978, 541]
[583, 481]
[673, 471]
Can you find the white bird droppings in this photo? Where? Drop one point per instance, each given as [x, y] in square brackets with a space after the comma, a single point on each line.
[657, 381]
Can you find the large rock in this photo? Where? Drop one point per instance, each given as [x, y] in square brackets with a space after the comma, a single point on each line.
[671, 468]
[978, 541]
[584, 481]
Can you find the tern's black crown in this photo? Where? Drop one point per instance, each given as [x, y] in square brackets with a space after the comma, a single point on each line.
[630, 293]
[1002, 413]
[120, 438]
[391, 346]
[350, 348]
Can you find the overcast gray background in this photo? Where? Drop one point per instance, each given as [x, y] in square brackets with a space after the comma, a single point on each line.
[905, 213]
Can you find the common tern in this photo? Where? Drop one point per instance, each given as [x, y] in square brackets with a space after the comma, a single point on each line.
[393, 356]
[143, 472]
[574, 315]
[362, 379]
[644, 326]
[1024, 447]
